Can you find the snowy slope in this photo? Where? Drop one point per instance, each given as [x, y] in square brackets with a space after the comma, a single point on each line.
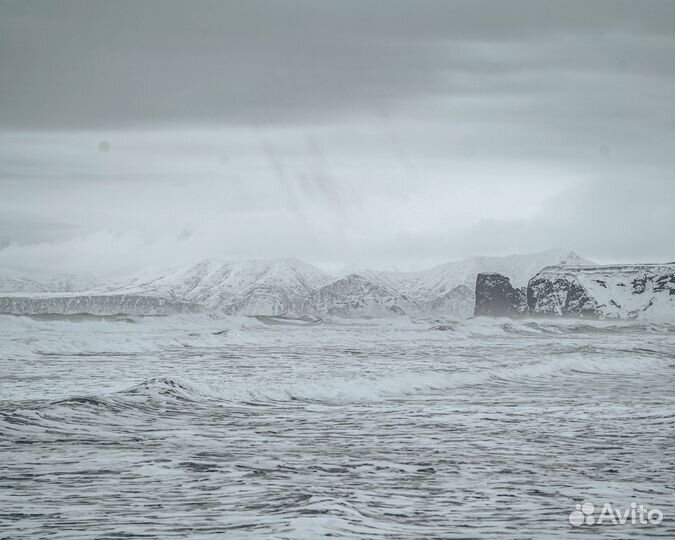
[357, 295]
[292, 287]
[518, 268]
[11, 282]
[448, 289]
[250, 287]
[15, 282]
[445, 290]
[638, 291]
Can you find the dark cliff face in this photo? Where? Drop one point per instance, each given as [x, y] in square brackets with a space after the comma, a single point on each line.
[560, 297]
[637, 291]
[496, 297]
[629, 291]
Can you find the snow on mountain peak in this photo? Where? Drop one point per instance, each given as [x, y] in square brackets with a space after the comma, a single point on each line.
[291, 286]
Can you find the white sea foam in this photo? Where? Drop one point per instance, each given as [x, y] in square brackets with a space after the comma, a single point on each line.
[195, 426]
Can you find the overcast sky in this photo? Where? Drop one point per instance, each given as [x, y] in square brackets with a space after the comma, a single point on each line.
[406, 133]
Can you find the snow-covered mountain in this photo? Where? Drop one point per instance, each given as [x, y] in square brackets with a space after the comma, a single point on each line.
[15, 282]
[357, 295]
[448, 289]
[292, 287]
[632, 291]
[251, 287]
[441, 279]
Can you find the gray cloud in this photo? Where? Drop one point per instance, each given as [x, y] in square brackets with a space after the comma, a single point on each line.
[351, 131]
[91, 64]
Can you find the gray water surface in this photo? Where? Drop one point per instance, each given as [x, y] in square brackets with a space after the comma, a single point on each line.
[195, 427]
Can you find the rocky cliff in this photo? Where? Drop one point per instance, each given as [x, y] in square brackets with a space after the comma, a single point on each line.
[638, 291]
[496, 297]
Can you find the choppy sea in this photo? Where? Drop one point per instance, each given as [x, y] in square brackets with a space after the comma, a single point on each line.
[198, 427]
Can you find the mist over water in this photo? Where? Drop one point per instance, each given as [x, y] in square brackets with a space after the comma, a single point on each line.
[200, 427]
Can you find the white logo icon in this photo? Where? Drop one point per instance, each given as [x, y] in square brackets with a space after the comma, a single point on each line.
[583, 514]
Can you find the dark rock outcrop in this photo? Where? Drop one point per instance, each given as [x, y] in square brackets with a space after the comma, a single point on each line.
[560, 296]
[630, 291]
[496, 297]
[626, 291]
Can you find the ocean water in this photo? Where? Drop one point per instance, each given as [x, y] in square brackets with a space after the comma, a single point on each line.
[199, 427]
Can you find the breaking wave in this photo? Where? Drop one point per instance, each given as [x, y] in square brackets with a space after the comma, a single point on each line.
[350, 429]
[484, 326]
[172, 394]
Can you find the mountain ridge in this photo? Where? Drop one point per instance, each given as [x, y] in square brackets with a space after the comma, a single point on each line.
[296, 288]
